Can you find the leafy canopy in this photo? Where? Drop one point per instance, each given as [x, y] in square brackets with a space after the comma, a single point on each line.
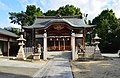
[25, 18]
[67, 10]
[28, 17]
[107, 24]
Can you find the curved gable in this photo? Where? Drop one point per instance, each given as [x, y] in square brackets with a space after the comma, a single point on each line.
[59, 21]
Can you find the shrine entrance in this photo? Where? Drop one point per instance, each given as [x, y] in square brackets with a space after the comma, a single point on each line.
[59, 37]
[59, 43]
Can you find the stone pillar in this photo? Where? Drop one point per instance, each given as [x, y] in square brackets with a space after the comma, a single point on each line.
[73, 45]
[45, 47]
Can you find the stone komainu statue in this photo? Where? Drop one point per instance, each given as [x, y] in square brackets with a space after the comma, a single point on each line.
[81, 50]
[39, 49]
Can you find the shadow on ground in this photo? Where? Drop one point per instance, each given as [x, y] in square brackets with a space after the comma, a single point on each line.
[11, 75]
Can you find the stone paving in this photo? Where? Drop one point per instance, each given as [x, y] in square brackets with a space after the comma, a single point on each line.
[96, 69]
[55, 69]
[21, 69]
[109, 68]
[59, 67]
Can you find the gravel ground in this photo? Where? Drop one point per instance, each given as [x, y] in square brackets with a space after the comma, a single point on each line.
[96, 69]
[16, 72]
[19, 69]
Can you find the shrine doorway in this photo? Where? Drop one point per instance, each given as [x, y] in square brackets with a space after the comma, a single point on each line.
[59, 37]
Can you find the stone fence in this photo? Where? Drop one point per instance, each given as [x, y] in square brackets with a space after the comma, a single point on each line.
[28, 51]
[89, 51]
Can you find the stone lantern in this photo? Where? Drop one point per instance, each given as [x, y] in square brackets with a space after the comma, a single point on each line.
[97, 53]
[21, 54]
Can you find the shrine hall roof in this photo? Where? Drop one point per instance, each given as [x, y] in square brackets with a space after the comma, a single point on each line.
[8, 33]
[73, 21]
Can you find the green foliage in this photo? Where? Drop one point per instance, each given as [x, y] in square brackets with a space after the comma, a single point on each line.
[68, 10]
[50, 13]
[28, 17]
[107, 24]
[14, 30]
[25, 18]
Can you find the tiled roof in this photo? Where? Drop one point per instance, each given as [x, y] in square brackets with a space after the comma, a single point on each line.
[7, 33]
[74, 21]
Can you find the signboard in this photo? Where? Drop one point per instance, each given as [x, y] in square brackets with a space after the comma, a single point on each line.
[39, 36]
[78, 35]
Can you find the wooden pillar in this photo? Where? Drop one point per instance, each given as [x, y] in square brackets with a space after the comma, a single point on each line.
[34, 40]
[64, 43]
[83, 39]
[8, 47]
[54, 43]
[59, 44]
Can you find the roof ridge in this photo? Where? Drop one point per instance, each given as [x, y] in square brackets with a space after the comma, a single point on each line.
[56, 17]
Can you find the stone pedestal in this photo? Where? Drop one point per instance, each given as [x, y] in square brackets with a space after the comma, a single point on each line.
[1, 55]
[36, 56]
[97, 55]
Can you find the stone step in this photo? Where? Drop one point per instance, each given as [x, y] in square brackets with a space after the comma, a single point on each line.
[59, 55]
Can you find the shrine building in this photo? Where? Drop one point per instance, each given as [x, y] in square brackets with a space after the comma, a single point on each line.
[57, 33]
[7, 43]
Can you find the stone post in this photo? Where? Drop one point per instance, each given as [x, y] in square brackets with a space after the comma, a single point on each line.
[45, 47]
[21, 54]
[73, 45]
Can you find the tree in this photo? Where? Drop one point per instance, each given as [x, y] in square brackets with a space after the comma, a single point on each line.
[50, 13]
[25, 18]
[107, 24]
[32, 12]
[68, 10]
[28, 17]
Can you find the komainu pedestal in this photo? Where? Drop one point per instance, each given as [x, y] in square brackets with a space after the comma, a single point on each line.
[1, 55]
[36, 56]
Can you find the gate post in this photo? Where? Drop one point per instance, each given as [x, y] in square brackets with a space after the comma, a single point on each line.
[45, 47]
[73, 45]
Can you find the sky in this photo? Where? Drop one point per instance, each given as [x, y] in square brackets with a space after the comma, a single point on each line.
[91, 7]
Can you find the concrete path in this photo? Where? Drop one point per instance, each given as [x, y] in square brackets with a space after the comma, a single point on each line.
[55, 69]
